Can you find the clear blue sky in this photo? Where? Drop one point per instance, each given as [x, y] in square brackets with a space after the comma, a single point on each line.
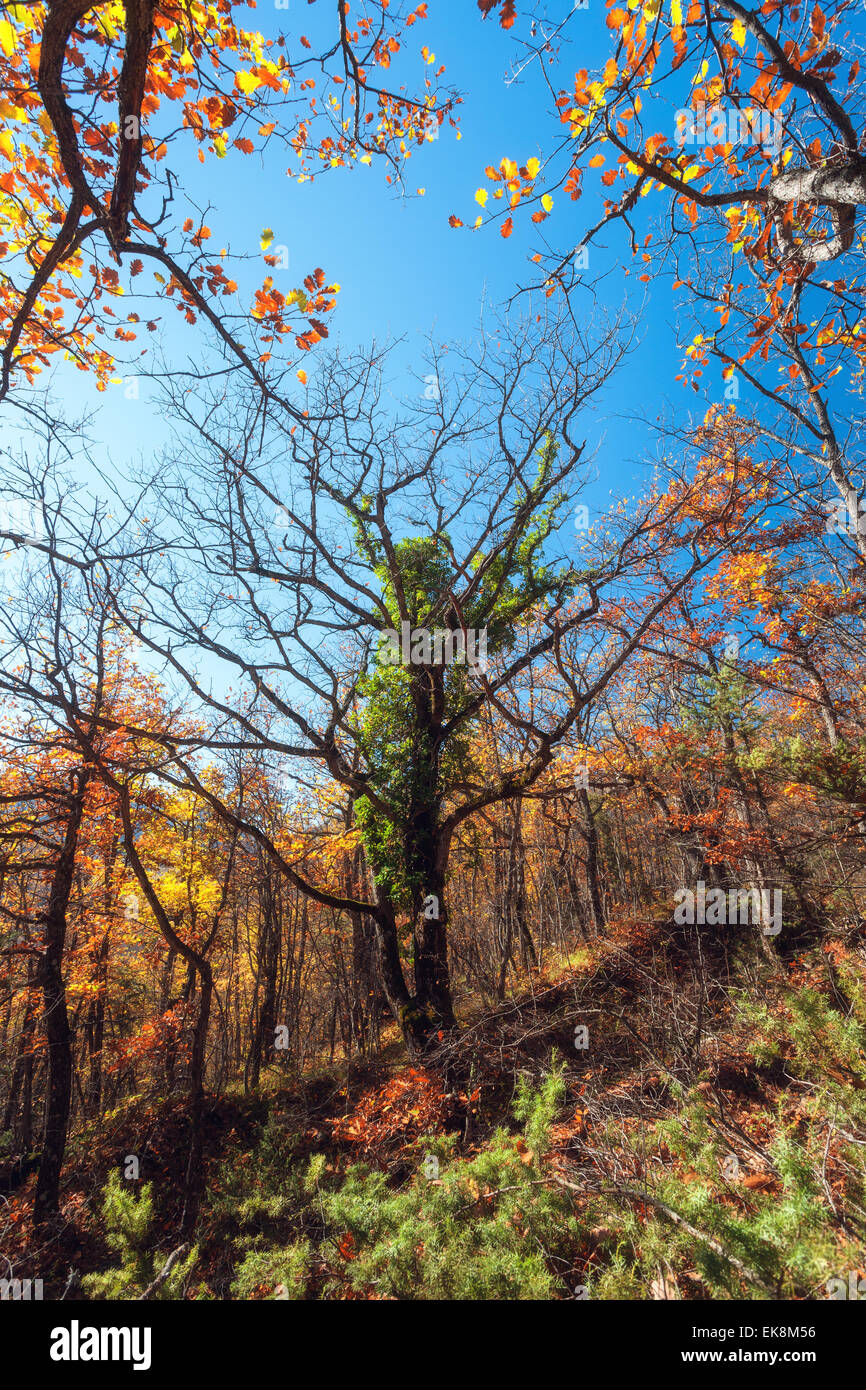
[403, 271]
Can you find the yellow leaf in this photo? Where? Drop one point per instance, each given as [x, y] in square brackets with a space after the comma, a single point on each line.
[676, 12]
[481, 196]
[532, 167]
[7, 36]
[6, 144]
[547, 202]
[266, 238]
[738, 32]
[247, 82]
[302, 376]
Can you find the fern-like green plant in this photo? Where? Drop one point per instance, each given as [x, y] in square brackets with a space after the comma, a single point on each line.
[128, 1221]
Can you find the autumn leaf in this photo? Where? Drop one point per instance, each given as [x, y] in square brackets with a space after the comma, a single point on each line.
[247, 82]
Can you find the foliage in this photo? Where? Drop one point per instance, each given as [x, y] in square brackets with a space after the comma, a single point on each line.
[777, 1224]
[283, 1271]
[128, 1221]
[414, 766]
[487, 1227]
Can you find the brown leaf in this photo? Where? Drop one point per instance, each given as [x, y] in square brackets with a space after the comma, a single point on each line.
[761, 1182]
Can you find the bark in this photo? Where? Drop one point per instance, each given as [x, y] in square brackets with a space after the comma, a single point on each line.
[841, 188]
[269, 945]
[58, 1035]
[514, 906]
[365, 986]
[589, 831]
[400, 1001]
[195, 1169]
[96, 1029]
[18, 1110]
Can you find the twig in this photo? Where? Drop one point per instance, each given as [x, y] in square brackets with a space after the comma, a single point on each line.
[716, 1246]
[165, 1271]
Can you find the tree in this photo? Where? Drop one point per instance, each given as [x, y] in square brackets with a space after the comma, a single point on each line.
[65, 669]
[36, 674]
[291, 579]
[100, 102]
[747, 123]
[44, 809]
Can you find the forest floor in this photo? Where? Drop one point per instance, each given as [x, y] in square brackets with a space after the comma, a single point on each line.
[663, 1038]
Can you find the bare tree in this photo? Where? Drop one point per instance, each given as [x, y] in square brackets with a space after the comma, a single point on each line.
[288, 553]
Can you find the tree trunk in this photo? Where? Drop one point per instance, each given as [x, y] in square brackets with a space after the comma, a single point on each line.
[194, 1170]
[18, 1111]
[269, 945]
[96, 1029]
[56, 1019]
[589, 831]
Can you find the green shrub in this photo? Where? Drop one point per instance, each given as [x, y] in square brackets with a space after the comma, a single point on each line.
[128, 1220]
[278, 1273]
[786, 1242]
[490, 1227]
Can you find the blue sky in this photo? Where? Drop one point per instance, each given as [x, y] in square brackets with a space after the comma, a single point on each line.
[403, 271]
